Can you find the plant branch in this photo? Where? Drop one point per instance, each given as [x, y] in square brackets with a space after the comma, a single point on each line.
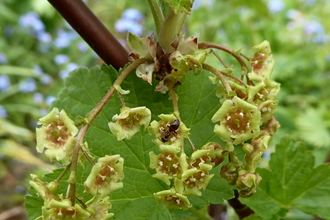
[157, 15]
[91, 117]
[174, 102]
[219, 74]
[220, 59]
[241, 210]
[234, 78]
[228, 50]
[62, 174]
[171, 28]
[92, 30]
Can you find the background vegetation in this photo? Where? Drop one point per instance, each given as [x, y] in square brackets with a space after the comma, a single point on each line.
[38, 50]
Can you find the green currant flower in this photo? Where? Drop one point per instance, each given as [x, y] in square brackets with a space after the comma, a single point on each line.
[168, 131]
[194, 179]
[254, 151]
[262, 63]
[264, 95]
[211, 153]
[56, 135]
[63, 209]
[239, 120]
[47, 191]
[271, 126]
[172, 200]
[248, 183]
[129, 121]
[167, 165]
[105, 176]
[99, 208]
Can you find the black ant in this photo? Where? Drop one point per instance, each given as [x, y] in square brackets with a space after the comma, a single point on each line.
[172, 128]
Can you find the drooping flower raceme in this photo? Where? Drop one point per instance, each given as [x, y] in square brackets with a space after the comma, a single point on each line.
[57, 135]
[129, 121]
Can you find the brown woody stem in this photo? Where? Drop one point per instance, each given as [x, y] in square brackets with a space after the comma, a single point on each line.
[92, 30]
[219, 74]
[241, 210]
[226, 49]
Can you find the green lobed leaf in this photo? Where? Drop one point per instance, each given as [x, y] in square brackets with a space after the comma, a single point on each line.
[159, 213]
[84, 88]
[312, 127]
[292, 182]
[33, 205]
[253, 217]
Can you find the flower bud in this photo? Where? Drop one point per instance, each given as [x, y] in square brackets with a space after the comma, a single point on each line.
[248, 184]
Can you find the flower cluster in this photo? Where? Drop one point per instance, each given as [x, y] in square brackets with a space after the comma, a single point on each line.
[188, 175]
[57, 134]
[57, 207]
[246, 118]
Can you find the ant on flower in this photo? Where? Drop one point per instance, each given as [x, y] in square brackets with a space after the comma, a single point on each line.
[170, 132]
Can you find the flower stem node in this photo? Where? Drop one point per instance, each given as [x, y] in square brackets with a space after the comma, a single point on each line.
[239, 121]
[57, 135]
[172, 200]
[129, 121]
[105, 176]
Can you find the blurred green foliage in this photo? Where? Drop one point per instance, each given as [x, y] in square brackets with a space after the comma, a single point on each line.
[298, 31]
